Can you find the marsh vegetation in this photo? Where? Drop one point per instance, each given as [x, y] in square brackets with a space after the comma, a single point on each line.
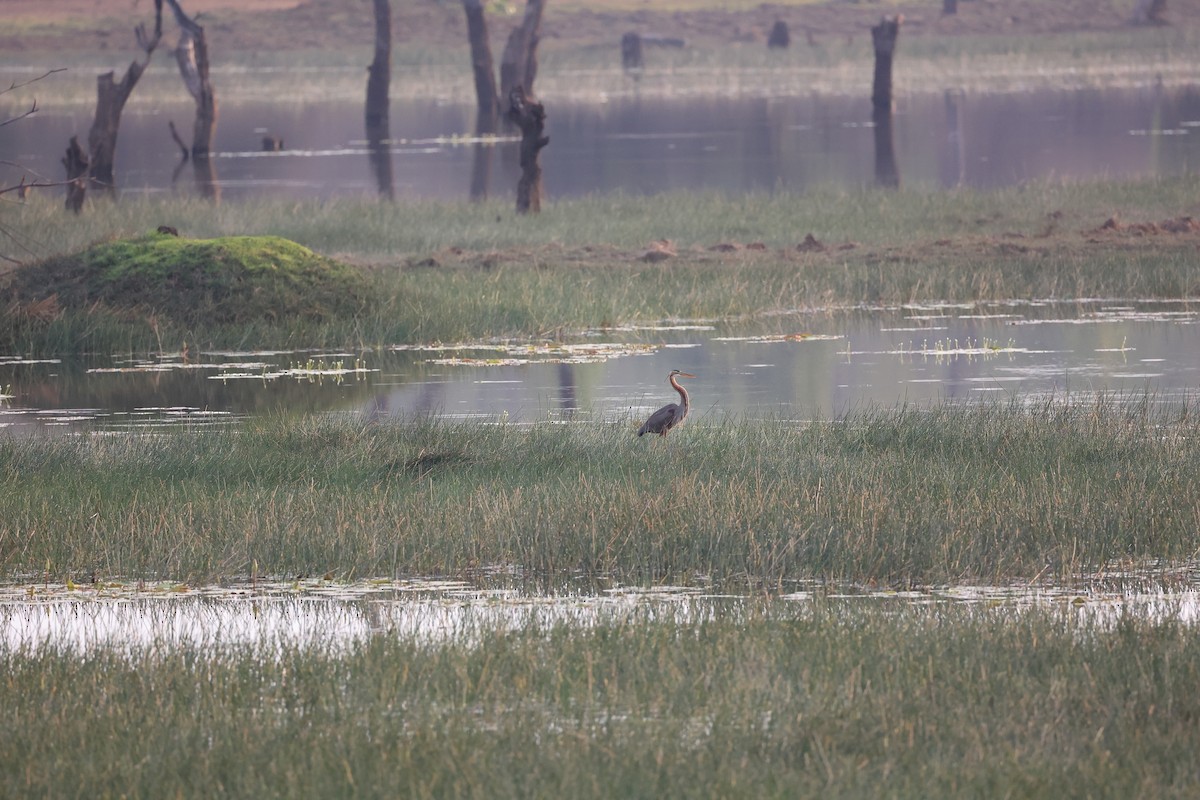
[454, 272]
[750, 691]
[991, 493]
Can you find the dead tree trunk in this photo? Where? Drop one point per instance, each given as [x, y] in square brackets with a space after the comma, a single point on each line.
[483, 67]
[780, 37]
[378, 104]
[518, 65]
[530, 116]
[884, 36]
[76, 162]
[110, 102]
[98, 165]
[632, 57]
[192, 56]
[1150, 12]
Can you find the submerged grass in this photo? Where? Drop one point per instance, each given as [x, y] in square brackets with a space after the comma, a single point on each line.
[441, 271]
[906, 496]
[772, 700]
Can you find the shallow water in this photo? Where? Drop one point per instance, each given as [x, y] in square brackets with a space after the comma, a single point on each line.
[328, 615]
[645, 146]
[804, 365]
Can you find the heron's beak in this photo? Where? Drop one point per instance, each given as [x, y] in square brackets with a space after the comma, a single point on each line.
[686, 375]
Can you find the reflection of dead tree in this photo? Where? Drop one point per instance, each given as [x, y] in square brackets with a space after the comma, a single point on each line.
[192, 56]
[378, 109]
[887, 175]
[481, 167]
[530, 116]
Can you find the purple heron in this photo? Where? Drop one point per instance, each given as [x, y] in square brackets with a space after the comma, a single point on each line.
[670, 415]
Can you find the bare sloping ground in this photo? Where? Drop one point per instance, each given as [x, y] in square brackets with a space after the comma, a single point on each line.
[88, 25]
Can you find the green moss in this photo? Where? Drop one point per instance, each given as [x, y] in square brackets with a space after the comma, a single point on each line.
[227, 280]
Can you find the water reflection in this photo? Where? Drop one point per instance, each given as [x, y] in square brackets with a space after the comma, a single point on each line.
[331, 616]
[804, 365]
[647, 146]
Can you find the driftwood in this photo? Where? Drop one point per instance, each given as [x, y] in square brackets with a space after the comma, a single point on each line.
[884, 36]
[378, 108]
[530, 116]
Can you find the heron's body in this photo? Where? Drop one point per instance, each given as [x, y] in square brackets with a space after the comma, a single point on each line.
[670, 415]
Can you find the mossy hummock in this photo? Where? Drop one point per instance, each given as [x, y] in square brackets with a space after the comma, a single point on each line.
[227, 280]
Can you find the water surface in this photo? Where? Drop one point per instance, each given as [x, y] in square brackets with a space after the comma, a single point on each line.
[803, 365]
[646, 146]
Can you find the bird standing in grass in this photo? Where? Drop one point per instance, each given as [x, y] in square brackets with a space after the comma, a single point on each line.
[671, 415]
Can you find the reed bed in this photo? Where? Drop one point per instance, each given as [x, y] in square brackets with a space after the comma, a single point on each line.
[772, 699]
[899, 497]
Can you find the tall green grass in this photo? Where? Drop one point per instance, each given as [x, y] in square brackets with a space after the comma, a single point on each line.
[991, 493]
[773, 700]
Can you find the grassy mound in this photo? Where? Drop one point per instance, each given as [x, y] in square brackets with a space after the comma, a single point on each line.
[227, 280]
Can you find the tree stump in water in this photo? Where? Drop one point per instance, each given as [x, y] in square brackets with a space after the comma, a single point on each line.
[631, 52]
[530, 116]
[780, 36]
[378, 108]
[884, 36]
[1150, 12]
[76, 162]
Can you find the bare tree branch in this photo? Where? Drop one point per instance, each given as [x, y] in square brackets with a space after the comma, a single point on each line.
[14, 86]
[34, 108]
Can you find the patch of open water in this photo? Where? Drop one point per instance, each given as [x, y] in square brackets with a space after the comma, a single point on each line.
[802, 365]
[648, 145]
[323, 614]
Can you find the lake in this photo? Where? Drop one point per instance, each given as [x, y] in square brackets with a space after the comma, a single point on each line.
[641, 146]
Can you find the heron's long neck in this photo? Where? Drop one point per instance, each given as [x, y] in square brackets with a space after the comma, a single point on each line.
[683, 395]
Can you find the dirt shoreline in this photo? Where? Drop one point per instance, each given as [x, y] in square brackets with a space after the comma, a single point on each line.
[64, 25]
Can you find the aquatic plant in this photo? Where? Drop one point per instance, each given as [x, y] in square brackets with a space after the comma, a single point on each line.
[995, 492]
[768, 698]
